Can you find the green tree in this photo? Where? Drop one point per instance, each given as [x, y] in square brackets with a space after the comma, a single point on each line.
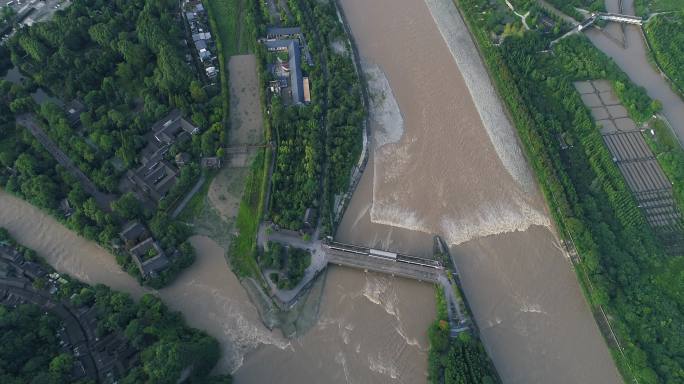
[127, 206]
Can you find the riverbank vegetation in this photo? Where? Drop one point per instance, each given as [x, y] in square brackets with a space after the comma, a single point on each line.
[570, 7]
[646, 7]
[620, 257]
[665, 34]
[166, 348]
[457, 360]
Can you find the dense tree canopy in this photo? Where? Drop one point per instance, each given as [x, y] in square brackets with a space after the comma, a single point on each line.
[125, 61]
[460, 360]
[666, 36]
[29, 347]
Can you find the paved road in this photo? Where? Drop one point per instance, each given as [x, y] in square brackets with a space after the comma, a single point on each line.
[558, 13]
[102, 199]
[189, 196]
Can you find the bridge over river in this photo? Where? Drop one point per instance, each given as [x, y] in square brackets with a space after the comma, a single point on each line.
[328, 251]
[395, 264]
[594, 17]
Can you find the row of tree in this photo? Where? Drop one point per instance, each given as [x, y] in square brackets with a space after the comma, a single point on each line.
[665, 34]
[460, 360]
[622, 259]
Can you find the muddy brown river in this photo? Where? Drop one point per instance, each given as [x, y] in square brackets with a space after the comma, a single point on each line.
[443, 162]
[443, 170]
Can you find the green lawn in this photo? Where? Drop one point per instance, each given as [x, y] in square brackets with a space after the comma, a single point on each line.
[196, 204]
[243, 249]
[225, 16]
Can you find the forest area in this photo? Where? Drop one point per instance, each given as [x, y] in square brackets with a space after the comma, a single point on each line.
[623, 266]
[459, 360]
[126, 63]
[665, 34]
[318, 144]
[165, 346]
[29, 349]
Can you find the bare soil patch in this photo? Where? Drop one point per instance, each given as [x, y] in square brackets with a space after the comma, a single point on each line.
[225, 192]
[246, 121]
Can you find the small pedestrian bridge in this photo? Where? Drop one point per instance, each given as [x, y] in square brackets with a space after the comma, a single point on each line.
[596, 16]
[615, 17]
[395, 264]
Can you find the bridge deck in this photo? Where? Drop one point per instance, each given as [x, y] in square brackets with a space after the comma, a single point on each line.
[405, 266]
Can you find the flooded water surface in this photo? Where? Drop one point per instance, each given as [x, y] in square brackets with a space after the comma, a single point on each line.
[445, 171]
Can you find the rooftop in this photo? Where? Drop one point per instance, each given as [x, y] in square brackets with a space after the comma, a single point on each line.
[272, 32]
[132, 232]
[149, 266]
[295, 65]
[73, 111]
[171, 127]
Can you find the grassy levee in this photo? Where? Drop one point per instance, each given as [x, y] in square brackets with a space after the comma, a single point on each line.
[588, 198]
[244, 247]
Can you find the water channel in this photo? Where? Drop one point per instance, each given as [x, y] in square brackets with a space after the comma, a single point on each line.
[632, 57]
[442, 163]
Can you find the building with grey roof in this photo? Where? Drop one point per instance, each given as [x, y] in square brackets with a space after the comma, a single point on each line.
[149, 257]
[132, 233]
[295, 65]
[155, 179]
[172, 127]
[283, 32]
